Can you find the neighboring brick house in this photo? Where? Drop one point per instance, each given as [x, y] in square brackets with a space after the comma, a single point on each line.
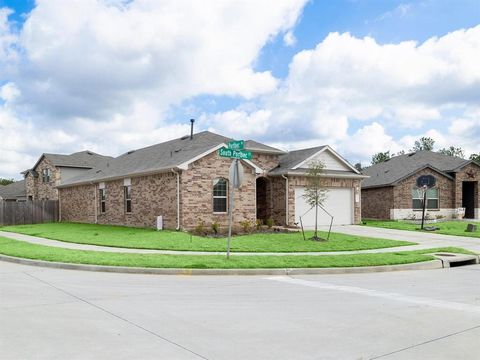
[13, 192]
[53, 169]
[391, 191]
[186, 182]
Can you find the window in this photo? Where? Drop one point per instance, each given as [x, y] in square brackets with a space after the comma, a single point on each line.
[127, 190]
[102, 200]
[220, 191]
[46, 175]
[432, 199]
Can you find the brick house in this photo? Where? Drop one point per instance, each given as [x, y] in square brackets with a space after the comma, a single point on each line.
[13, 192]
[52, 169]
[391, 191]
[186, 182]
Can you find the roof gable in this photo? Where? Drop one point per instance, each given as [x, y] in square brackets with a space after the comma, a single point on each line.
[329, 158]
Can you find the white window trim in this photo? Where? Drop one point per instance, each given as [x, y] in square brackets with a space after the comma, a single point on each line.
[221, 197]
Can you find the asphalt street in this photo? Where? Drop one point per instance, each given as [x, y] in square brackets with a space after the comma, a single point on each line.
[66, 314]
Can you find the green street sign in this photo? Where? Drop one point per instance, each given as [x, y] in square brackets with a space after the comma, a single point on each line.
[235, 154]
[236, 144]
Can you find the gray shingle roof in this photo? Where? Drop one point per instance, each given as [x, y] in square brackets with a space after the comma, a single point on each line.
[81, 159]
[289, 160]
[259, 147]
[399, 167]
[154, 158]
[13, 191]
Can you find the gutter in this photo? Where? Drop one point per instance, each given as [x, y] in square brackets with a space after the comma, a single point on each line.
[95, 201]
[286, 199]
[178, 198]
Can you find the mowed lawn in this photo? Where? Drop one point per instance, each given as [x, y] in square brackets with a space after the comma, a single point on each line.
[118, 236]
[448, 227]
[26, 250]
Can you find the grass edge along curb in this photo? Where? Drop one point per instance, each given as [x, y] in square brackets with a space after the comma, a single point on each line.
[426, 265]
[20, 249]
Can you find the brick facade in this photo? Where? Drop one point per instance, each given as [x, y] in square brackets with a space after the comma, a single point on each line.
[396, 202]
[377, 202]
[155, 195]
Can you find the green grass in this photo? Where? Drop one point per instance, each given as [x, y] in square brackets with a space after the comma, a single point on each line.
[448, 227]
[118, 236]
[47, 253]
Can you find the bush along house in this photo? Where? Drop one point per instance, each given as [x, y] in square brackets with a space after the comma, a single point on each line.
[391, 191]
[185, 182]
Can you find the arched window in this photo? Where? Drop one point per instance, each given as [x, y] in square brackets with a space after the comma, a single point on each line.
[220, 195]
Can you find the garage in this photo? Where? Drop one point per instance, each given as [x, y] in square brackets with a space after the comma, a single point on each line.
[339, 204]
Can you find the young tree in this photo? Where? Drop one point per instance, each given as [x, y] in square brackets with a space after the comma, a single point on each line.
[6, 181]
[424, 143]
[381, 157]
[453, 151]
[315, 193]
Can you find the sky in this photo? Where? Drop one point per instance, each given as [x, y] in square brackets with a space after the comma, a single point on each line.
[362, 76]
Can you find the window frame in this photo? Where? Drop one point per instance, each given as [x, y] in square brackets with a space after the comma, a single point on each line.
[427, 207]
[46, 176]
[102, 196]
[127, 199]
[226, 197]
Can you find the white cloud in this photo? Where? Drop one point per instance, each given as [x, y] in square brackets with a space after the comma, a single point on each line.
[289, 38]
[107, 72]
[405, 86]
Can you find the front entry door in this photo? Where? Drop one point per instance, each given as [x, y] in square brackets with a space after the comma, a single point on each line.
[468, 198]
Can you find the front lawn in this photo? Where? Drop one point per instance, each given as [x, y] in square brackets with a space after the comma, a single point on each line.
[47, 253]
[119, 236]
[448, 227]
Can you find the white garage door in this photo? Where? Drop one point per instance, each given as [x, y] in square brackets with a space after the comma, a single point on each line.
[339, 203]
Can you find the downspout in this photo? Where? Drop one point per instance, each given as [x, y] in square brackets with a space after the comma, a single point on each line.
[95, 203]
[286, 199]
[178, 197]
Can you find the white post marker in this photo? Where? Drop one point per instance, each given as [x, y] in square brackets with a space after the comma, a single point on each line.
[236, 179]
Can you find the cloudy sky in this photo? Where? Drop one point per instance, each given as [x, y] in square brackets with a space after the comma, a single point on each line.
[113, 75]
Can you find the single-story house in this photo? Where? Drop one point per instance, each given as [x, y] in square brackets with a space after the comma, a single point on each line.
[186, 182]
[13, 192]
[391, 191]
[52, 169]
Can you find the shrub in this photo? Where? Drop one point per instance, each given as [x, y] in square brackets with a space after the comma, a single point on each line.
[270, 223]
[246, 225]
[200, 228]
[215, 227]
[258, 224]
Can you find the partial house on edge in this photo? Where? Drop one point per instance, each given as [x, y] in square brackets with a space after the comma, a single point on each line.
[186, 182]
[13, 192]
[52, 170]
[390, 192]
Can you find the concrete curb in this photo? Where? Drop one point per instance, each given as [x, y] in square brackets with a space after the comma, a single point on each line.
[427, 265]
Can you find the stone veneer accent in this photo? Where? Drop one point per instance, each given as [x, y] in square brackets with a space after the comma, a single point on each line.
[35, 186]
[462, 176]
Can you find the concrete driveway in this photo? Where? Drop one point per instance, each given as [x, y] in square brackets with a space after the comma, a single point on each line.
[426, 239]
[65, 314]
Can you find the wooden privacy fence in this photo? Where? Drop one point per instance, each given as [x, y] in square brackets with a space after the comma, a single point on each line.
[28, 212]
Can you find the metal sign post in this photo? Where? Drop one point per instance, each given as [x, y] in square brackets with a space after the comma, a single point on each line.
[236, 178]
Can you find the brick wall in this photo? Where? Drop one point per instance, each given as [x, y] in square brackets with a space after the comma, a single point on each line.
[377, 202]
[403, 191]
[266, 162]
[197, 193]
[465, 174]
[77, 204]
